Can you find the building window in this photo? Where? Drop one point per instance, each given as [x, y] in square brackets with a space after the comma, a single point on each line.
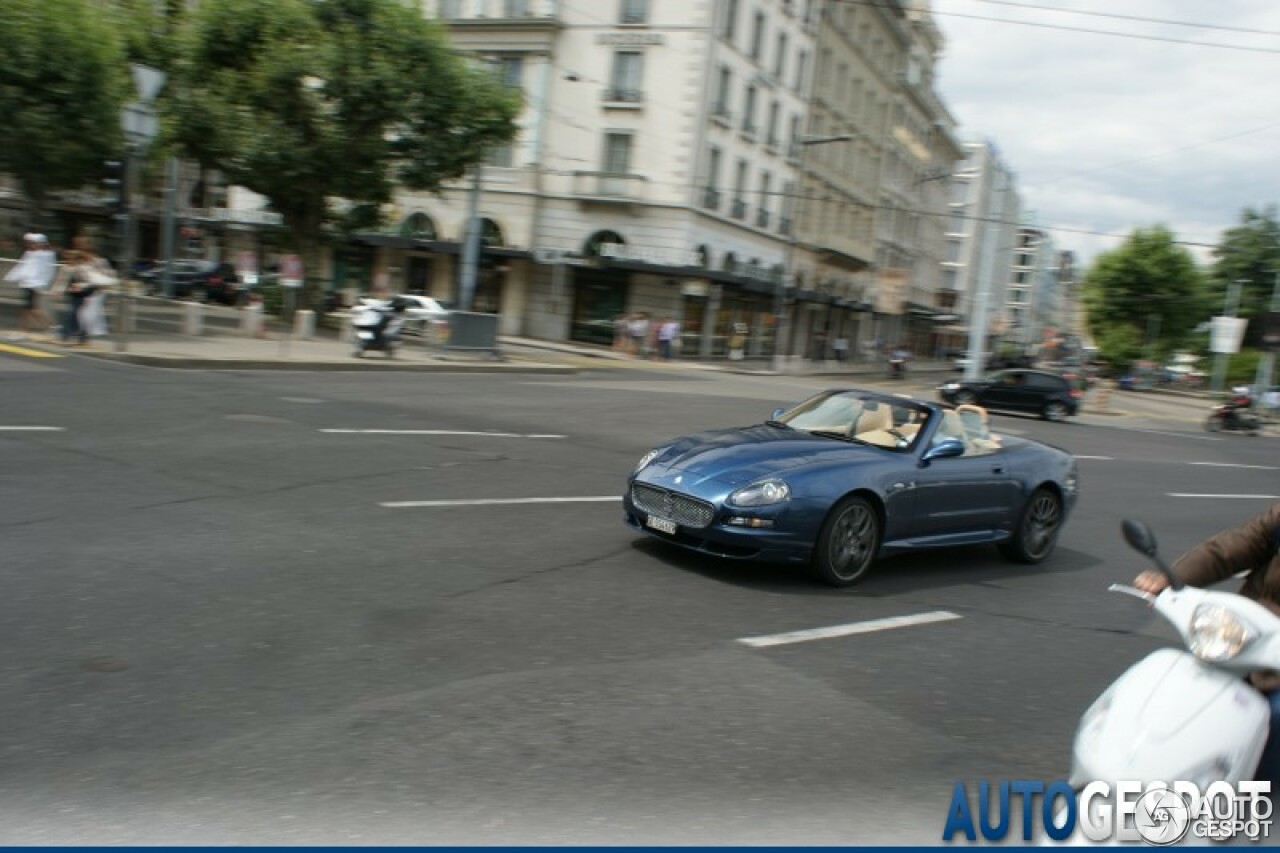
[730, 23]
[757, 36]
[634, 11]
[511, 71]
[802, 62]
[502, 156]
[771, 139]
[626, 79]
[749, 111]
[712, 197]
[515, 8]
[617, 153]
[721, 107]
[451, 8]
[780, 56]
[766, 193]
[739, 210]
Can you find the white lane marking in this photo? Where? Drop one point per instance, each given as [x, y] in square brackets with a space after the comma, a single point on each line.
[849, 629]
[1103, 458]
[1180, 435]
[1229, 497]
[31, 429]
[440, 432]
[1234, 465]
[500, 502]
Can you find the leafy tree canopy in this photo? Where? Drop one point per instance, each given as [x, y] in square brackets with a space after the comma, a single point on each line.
[63, 81]
[1149, 276]
[1249, 253]
[307, 101]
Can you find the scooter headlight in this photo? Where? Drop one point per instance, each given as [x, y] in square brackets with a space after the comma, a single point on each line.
[1217, 634]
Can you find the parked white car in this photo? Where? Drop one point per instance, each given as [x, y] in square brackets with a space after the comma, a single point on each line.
[423, 316]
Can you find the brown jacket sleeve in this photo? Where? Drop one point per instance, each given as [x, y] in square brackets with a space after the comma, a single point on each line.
[1250, 546]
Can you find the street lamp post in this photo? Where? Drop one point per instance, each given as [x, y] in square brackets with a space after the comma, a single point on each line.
[788, 265]
[978, 320]
[1228, 310]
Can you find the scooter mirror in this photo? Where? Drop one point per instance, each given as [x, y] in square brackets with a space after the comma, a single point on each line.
[1139, 537]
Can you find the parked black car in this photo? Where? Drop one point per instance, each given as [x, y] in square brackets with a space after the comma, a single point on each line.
[206, 281]
[1041, 392]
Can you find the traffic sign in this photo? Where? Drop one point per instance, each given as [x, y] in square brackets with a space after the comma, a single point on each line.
[139, 123]
[291, 271]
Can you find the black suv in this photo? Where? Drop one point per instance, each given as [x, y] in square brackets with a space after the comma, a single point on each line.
[1040, 392]
[194, 279]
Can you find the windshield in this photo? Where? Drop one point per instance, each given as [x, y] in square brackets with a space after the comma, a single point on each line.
[866, 417]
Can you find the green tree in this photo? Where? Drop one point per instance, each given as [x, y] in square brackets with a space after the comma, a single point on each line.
[1249, 252]
[1149, 280]
[307, 102]
[62, 84]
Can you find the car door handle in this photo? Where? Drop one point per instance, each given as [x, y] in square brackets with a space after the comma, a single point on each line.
[997, 469]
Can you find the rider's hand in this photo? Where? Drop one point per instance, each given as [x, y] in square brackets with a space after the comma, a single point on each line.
[1152, 582]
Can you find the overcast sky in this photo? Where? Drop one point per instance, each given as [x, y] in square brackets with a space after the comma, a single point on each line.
[1108, 133]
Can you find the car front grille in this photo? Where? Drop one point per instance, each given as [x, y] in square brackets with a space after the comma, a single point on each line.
[682, 509]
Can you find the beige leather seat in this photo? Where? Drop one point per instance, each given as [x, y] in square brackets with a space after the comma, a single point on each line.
[977, 429]
[874, 425]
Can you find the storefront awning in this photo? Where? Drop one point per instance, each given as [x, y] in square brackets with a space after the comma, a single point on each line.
[443, 247]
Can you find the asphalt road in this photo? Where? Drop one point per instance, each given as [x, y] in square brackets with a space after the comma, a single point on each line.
[215, 630]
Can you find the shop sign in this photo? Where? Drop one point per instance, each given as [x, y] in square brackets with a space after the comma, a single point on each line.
[631, 39]
[696, 288]
[657, 257]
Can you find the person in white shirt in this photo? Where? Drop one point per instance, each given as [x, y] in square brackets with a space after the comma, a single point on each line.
[34, 274]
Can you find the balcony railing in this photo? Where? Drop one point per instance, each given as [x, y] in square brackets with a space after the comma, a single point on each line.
[762, 218]
[608, 186]
[739, 209]
[617, 95]
[784, 225]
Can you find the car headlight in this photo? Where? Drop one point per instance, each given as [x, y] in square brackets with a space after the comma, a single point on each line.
[647, 458]
[951, 386]
[762, 493]
[1217, 634]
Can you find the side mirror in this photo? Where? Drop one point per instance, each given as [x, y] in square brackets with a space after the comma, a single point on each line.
[777, 413]
[945, 449]
[1142, 540]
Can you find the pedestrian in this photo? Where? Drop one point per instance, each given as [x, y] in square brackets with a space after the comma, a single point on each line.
[841, 349]
[34, 273]
[85, 275]
[1252, 547]
[620, 332]
[667, 333]
[638, 327]
[738, 342]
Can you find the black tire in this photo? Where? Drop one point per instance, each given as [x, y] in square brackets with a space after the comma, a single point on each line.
[848, 543]
[1054, 411]
[966, 398]
[1038, 526]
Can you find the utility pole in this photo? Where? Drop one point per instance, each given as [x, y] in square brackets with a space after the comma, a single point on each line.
[788, 264]
[978, 321]
[1266, 364]
[471, 246]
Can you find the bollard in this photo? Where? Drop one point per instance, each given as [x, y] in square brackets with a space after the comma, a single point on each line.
[251, 320]
[304, 325]
[192, 319]
[1103, 398]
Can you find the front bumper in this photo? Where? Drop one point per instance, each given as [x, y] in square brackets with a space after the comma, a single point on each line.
[781, 543]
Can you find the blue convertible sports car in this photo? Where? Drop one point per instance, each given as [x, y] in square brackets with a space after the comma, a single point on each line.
[849, 476]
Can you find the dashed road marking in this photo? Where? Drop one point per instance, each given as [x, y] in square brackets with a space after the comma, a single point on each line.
[483, 434]
[1234, 465]
[1227, 497]
[1101, 458]
[499, 502]
[31, 429]
[849, 629]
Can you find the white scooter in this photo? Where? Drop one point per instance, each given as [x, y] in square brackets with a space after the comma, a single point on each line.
[1184, 715]
[377, 326]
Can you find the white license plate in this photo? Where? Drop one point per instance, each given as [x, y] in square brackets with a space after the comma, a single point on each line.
[661, 524]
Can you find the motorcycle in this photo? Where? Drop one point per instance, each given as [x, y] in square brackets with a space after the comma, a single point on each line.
[1235, 415]
[897, 367]
[377, 327]
[1184, 715]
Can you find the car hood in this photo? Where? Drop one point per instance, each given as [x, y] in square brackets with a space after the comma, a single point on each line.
[738, 456]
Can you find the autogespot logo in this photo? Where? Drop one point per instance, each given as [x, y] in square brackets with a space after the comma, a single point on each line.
[1162, 816]
[1158, 813]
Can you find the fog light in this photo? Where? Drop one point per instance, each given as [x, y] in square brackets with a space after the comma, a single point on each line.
[739, 521]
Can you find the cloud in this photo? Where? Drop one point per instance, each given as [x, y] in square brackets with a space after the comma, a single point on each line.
[1109, 133]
